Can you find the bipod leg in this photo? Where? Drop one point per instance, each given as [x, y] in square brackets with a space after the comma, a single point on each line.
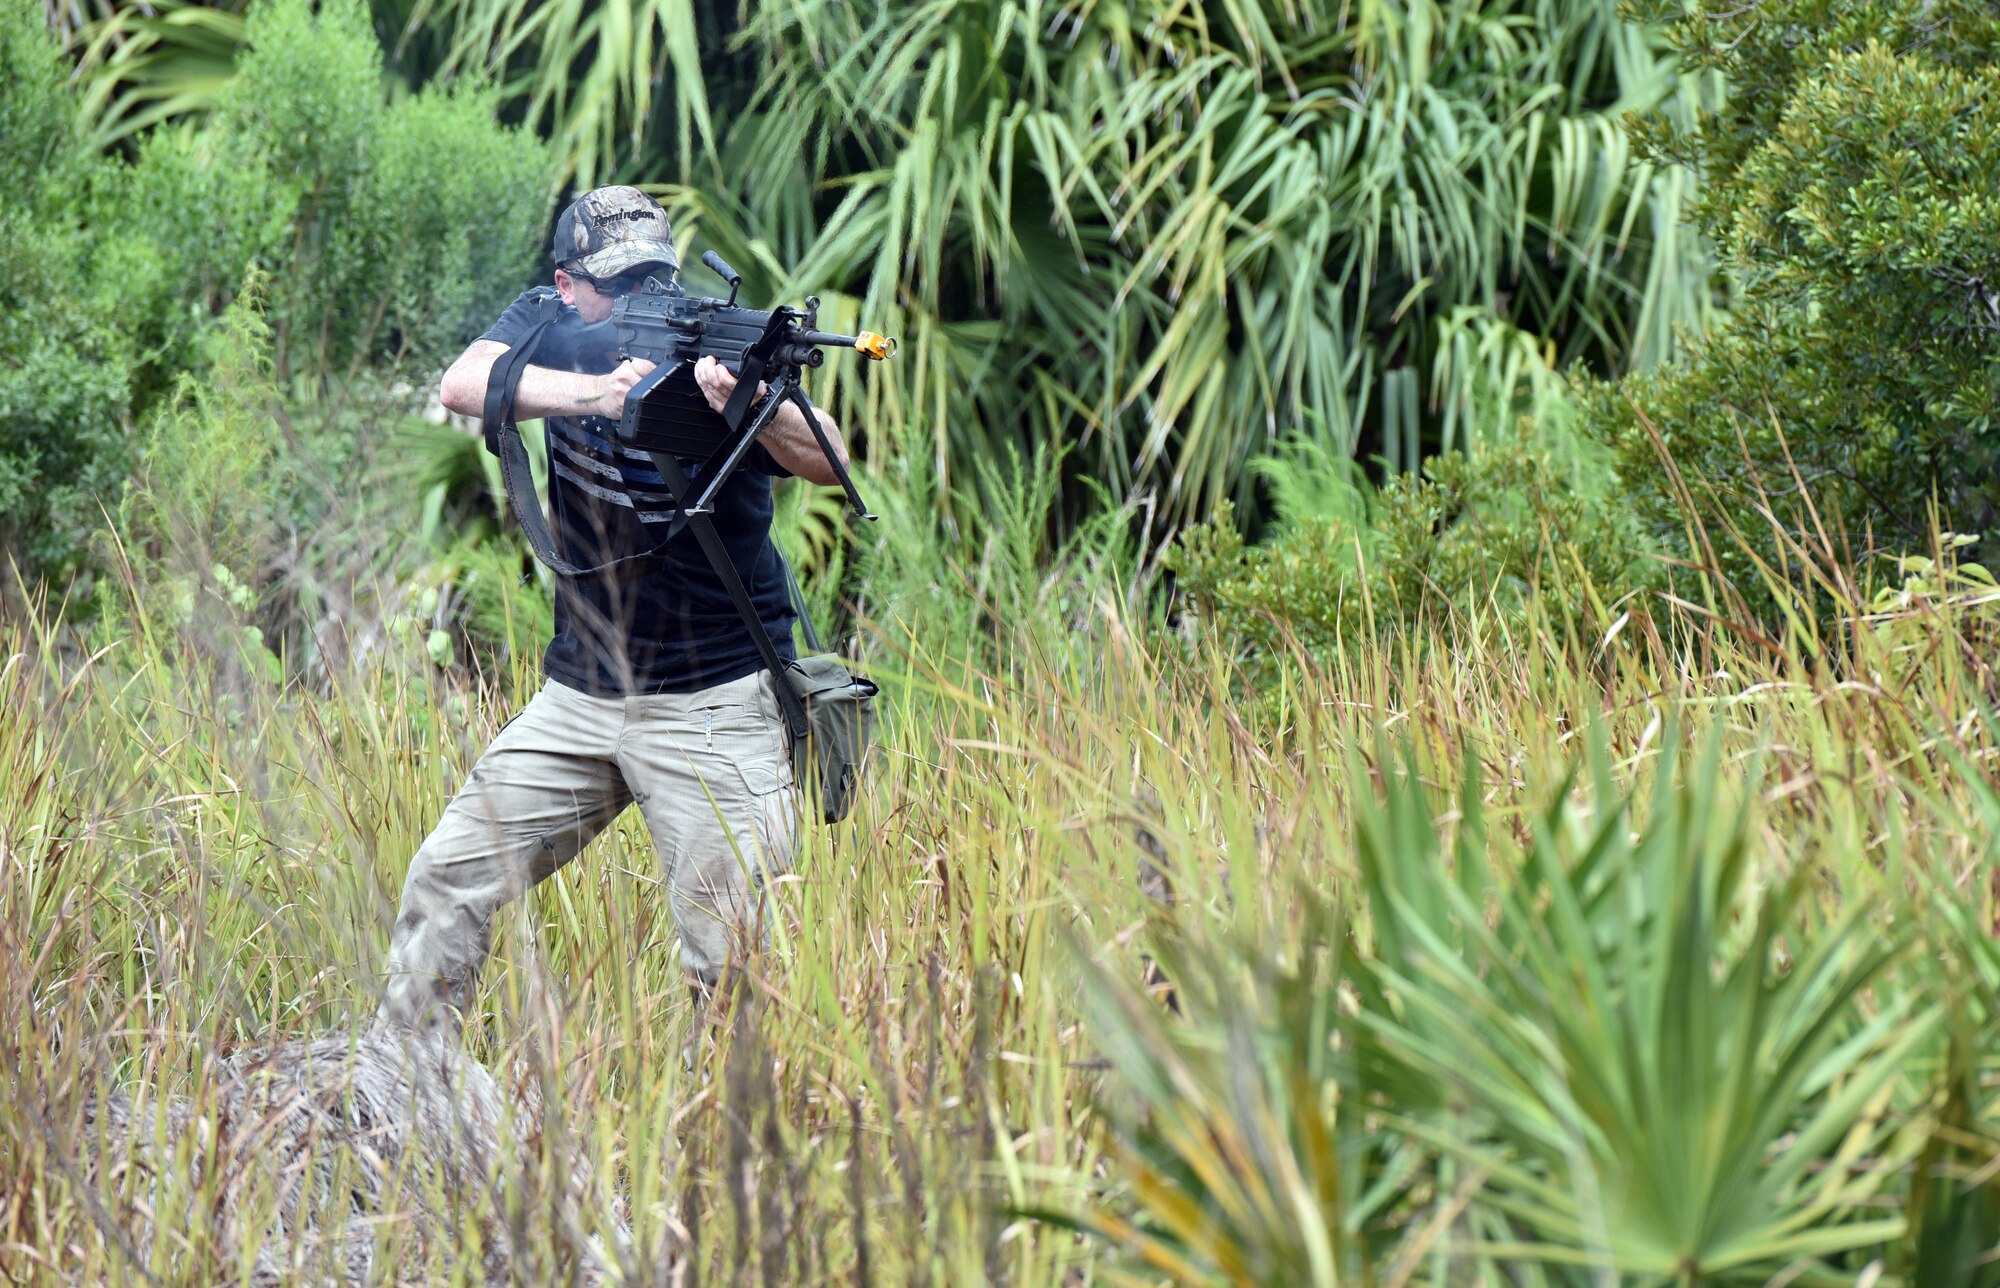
[705, 502]
[804, 404]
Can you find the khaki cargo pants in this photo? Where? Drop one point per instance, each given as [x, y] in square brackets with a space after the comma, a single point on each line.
[709, 772]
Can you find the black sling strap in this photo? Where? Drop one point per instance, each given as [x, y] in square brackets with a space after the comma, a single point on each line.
[503, 439]
[725, 569]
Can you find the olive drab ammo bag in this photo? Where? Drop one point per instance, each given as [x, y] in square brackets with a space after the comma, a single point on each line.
[839, 714]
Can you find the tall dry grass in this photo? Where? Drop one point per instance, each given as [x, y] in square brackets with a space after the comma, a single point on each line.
[921, 1083]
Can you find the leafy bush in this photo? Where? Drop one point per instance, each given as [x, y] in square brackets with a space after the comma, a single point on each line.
[391, 232]
[1503, 526]
[211, 452]
[197, 523]
[366, 211]
[64, 372]
[1855, 194]
[174, 233]
[390, 199]
[446, 230]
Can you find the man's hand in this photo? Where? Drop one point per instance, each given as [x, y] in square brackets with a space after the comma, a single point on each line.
[718, 382]
[618, 382]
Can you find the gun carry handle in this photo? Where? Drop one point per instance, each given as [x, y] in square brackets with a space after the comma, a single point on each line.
[721, 269]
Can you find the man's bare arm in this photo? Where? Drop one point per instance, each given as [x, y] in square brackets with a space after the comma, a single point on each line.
[542, 391]
[791, 444]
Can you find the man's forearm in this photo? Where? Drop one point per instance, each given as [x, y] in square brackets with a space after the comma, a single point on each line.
[790, 441]
[544, 392]
[791, 444]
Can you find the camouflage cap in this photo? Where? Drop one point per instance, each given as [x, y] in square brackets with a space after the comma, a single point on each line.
[608, 230]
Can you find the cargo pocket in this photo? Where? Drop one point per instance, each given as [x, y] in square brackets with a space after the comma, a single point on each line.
[773, 812]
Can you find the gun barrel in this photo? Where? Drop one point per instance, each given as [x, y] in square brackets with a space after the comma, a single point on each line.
[868, 343]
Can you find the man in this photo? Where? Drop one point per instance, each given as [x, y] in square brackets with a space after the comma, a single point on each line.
[654, 692]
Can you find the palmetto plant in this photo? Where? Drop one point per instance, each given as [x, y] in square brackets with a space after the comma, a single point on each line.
[153, 62]
[1178, 232]
[1620, 1049]
[598, 77]
[1224, 1145]
[1670, 1061]
[1174, 234]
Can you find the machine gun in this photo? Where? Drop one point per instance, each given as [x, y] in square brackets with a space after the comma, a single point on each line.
[666, 412]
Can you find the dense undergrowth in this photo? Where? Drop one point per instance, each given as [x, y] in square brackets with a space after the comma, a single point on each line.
[1568, 865]
[1484, 951]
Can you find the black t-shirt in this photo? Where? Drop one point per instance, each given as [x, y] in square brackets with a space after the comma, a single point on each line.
[662, 623]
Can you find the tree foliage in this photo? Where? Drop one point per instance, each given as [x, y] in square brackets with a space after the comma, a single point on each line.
[1171, 234]
[416, 220]
[1851, 184]
[390, 231]
[610, 84]
[1493, 531]
[64, 369]
[1177, 234]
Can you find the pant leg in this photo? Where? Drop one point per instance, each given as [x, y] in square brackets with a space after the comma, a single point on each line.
[713, 777]
[544, 787]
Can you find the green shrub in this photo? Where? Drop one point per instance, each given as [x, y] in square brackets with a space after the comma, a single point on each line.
[367, 212]
[1854, 190]
[445, 231]
[64, 447]
[415, 222]
[174, 233]
[211, 456]
[262, 526]
[64, 372]
[1503, 527]
[391, 232]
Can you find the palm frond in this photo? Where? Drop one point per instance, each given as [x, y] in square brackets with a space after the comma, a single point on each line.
[587, 72]
[1660, 1063]
[1219, 226]
[142, 65]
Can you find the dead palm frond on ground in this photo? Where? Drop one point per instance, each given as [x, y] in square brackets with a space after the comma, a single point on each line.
[326, 1160]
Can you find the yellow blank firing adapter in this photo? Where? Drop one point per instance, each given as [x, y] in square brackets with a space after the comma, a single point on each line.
[875, 346]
